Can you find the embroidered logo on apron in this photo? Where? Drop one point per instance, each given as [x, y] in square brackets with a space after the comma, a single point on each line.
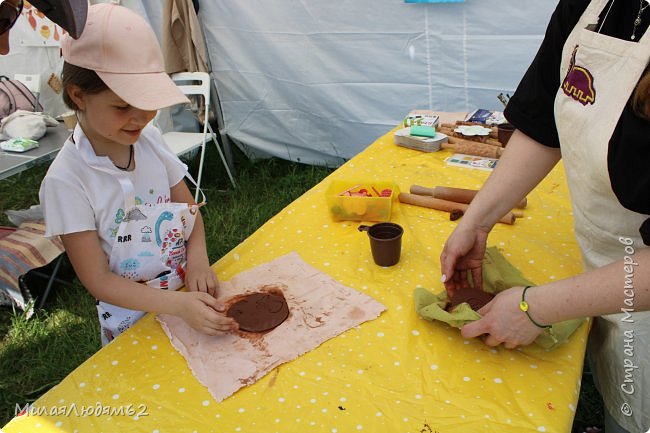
[579, 83]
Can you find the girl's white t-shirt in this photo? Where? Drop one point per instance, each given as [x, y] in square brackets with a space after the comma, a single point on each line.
[77, 197]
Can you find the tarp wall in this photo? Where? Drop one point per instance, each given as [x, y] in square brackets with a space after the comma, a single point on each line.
[317, 81]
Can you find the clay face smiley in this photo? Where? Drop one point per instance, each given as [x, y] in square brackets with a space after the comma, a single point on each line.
[259, 312]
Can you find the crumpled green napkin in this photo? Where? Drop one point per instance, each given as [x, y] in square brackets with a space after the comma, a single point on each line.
[498, 275]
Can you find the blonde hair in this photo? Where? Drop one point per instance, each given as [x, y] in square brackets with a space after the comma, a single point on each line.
[641, 96]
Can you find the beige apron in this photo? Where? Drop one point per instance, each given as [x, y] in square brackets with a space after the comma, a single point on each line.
[599, 74]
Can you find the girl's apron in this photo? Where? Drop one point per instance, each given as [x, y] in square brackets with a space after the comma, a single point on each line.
[149, 247]
[599, 74]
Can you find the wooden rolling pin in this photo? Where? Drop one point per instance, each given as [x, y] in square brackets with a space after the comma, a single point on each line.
[445, 205]
[459, 195]
[459, 145]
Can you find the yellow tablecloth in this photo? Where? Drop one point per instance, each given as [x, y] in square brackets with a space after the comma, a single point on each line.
[397, 373]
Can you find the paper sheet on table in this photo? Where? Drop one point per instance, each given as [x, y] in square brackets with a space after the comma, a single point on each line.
[319, 308]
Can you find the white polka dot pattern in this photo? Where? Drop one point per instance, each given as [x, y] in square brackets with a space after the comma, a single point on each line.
[397, 373]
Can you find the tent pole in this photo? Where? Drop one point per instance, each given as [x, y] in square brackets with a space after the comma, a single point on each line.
[214, 96]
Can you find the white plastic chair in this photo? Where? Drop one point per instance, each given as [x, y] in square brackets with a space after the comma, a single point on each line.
[195, 83]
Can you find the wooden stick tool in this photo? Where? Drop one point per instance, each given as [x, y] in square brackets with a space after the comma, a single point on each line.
[459, 195]
[444, 205]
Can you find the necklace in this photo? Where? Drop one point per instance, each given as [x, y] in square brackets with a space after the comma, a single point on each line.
[128, 164]
[637, 21]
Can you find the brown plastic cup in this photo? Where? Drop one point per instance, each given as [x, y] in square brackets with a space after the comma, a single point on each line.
[385, 242]
[504, 132]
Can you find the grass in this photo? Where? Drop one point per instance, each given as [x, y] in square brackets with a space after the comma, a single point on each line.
[36, 354]
[590, 411]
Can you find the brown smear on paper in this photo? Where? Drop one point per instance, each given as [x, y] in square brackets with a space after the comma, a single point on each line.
[320, 308]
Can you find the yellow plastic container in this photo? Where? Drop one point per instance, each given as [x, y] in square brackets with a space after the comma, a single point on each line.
[344, 207]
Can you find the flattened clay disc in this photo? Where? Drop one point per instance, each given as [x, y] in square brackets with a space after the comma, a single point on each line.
[475, 298]
[259, 312]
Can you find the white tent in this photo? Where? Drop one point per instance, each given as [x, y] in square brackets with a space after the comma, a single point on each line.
[317, 81]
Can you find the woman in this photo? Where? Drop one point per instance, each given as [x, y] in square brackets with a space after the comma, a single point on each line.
[585, 99]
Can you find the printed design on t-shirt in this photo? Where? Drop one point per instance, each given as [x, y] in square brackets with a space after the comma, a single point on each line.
[134, 214]
[113, 231]
[129, 268]
[172, 249]
[163, 280]
[124, 239]
[146, 234]
[579, 83]
[172, 243]
[119, 216]
[164, 216]
[163, 199]
[125, 324]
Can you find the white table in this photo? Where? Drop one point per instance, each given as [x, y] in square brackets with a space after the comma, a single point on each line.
[49, 145]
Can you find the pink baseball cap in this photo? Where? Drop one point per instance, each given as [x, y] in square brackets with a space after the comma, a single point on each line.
[120, 46]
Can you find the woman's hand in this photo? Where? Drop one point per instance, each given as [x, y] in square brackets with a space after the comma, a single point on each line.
[463, 251]
[504, 322]
[202, 312]
[201, 278]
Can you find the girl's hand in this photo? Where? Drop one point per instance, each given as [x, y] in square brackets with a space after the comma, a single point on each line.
[201, 278]
[202, 312]
[504, 322]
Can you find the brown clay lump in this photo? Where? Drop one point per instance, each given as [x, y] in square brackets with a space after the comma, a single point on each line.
[259, 312]
[455, 214]
[474, 297]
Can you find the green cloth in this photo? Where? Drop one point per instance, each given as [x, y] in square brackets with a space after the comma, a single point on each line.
[498, 275]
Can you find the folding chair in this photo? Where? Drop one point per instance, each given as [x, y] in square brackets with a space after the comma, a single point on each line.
[49, 274]
[25, 252]
[196, 83]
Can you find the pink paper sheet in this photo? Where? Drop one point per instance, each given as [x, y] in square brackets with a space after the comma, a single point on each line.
[319, 308]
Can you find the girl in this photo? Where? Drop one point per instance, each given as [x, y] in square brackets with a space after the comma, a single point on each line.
[115, 193]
